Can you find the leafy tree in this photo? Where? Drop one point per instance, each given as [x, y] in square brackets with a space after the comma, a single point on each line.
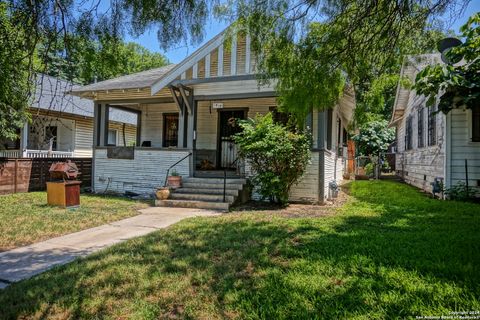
[98, 60]
[373, 140]
[456, 86]
[278, 156]
[15, 86]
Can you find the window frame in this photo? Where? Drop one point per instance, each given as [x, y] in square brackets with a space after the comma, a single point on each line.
[108, 138]
[432, 127]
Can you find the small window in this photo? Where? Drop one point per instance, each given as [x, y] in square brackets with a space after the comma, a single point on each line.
[408, 133]
[112, 137]
[476, 124]
[421, 120]
[432, 126]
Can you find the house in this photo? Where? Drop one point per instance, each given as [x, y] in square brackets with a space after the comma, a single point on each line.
[185, 113]
[68, 120]
[434, 148]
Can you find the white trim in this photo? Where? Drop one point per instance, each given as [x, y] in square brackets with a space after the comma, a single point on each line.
[187, 63]
[207, 65]
[448, 151]
[470, 129]
[233, 56]
[220, 61]
[247, 54]
[195, 71]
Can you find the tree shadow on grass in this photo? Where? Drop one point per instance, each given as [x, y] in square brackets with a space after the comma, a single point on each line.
[418, 257]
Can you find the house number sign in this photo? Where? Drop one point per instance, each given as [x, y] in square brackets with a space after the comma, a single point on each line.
[217, 105]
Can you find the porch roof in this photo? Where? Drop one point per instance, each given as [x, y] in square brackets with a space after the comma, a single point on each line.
[144, 79]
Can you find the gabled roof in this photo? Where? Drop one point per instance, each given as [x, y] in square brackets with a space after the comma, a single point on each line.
[410, 67]
[142, 79]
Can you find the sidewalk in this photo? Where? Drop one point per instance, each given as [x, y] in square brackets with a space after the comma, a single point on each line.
[25, 262]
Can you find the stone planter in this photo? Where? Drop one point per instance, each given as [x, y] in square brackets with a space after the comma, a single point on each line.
[174, 182]
[162, 193]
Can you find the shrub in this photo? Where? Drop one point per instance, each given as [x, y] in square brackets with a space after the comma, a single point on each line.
[278, 156]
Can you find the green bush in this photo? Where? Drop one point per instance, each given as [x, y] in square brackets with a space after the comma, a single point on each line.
[369, 169]
[278, 156]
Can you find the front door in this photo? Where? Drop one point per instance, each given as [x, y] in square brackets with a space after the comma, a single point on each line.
[228, 127]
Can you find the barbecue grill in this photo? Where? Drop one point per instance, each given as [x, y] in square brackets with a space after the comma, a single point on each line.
[63, 190]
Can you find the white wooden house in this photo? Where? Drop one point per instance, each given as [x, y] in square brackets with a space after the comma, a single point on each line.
[432, 146]
[184, 113]
[68, 120]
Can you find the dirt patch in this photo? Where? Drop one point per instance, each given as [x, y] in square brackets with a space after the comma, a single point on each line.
[293, 210]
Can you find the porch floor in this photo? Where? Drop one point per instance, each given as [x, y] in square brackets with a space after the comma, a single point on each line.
[231, 174]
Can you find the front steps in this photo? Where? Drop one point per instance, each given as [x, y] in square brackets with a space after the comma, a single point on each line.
[204, 193]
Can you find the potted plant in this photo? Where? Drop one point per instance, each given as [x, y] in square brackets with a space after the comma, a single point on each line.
[174, 180]
[162, 193]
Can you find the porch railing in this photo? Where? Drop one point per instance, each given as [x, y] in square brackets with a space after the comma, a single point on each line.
[29, 153]
[10, 153]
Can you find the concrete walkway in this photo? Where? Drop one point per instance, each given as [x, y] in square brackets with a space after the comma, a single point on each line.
[25, 262]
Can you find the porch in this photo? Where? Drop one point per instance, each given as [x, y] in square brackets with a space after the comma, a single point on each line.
[199, 139]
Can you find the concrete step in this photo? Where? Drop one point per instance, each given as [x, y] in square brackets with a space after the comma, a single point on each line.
[214, 180]
[195, 185]
[223, 206]
[201, 197]
[219, 191]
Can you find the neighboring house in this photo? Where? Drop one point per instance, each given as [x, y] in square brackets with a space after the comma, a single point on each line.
[432, 146]
[68, 120]
[188, 109]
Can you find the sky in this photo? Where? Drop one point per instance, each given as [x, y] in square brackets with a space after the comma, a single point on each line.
[177, 54]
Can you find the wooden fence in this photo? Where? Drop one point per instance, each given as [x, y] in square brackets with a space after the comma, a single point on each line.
[31, 174]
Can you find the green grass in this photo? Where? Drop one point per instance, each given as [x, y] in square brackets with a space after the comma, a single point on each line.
[26, 218]
[390, 252]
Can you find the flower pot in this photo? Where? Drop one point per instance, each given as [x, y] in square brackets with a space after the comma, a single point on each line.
[174, 182]
[162, 193]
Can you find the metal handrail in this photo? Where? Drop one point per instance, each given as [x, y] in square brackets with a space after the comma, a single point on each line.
[173, 165]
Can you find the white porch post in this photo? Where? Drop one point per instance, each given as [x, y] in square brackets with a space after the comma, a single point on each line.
[24, 139]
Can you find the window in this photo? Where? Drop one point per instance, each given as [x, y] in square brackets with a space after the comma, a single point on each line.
[112, 137]
[476, 124]
[170, 130]
[420, 131]
[432, 126]
[279, 116]
[51, 133]
[408, 133]
[329, 128]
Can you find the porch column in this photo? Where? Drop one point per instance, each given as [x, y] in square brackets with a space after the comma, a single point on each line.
[24, 138]
[100, 134]
[181, 126]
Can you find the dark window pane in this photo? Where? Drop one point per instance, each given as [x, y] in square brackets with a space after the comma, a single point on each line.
[170, 130]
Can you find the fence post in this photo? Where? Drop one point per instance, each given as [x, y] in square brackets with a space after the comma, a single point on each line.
[15, 177]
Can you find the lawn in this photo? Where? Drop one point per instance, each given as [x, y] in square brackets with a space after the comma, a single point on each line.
[389, 252]
[26, 218]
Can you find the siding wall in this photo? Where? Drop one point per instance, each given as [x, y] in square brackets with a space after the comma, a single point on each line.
[83, 137]
[307, 188]
[334, 167]
[130, 133]
[152, 122]
[420, 166]
[463, 148]
[141, 175]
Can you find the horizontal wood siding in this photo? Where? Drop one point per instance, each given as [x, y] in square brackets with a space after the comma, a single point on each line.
[241, 54]
[231, 87]
[83, 137]
[143, 174]
[463, 148]
[333, 170]
[152, 122]
[420, 166]
[307, 188]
